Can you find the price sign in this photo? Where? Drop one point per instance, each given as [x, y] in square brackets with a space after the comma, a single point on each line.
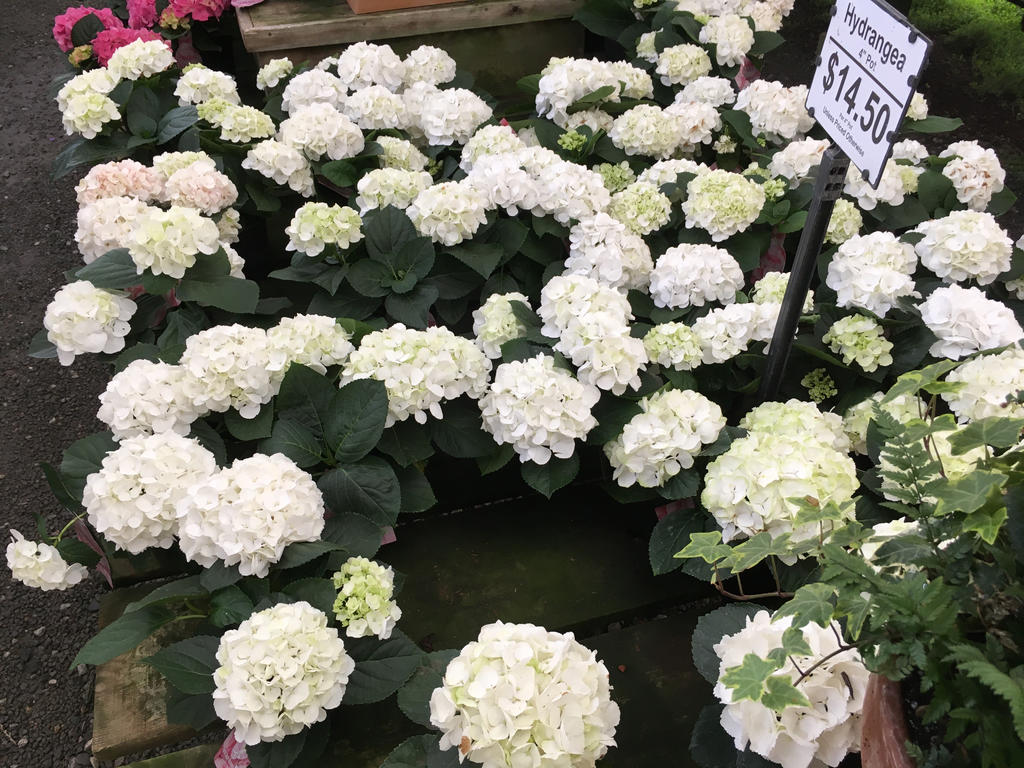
[869, 66]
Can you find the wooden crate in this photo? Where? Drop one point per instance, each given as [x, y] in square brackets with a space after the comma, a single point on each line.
[498, 41]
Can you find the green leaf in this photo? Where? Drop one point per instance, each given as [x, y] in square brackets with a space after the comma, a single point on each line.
[682, 485]
[669, 536]
[277, 754]
[382, 667]
[752, 551]
[417, 495]
[218, 576]
[421, 752]
[595, 97]
[306, 397]
[707, 546]
[142, 111]
[179, 589]
[781, 693]
[301, 552]
[356, 419]
[496, 460]
[175, 122]
[740, 122]
[368, 488]
[232, 294]
[933, 124]
[74, 551]
[85, 29]
[413, 308]
[748, 679]
[765, 42]
[973, 663]
[296, 441]
[188, 665]
[414, 696]
[82, 458]
[340, 173]
[355, 534]
[320, 593]
[606, 18]
[997, 431]
[114, 270]
[483, 258]
[407, 442]
[987, 522]
[969, 492]
[711, 628]
[1001, 202]
[41, 347]
[747, 248]
[229, 605]
[370, 278]
[530, 84]
[386, 230]
[255, 428]
[810, 603]
[123, 634]
[194, 710]
[554, 474]
[59, 486]
[794, 222]
[79, 152]
[460, 433]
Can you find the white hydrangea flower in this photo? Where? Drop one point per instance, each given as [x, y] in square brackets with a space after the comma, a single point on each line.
[771, 289]
[427, 64]
[282, 163]
[199, 83]
[376, 108]
[40, 565]
[91, 81]
[167, 242]
[859, 339]
[671, 429]
[538, 409]
[82, 318]
[797, 417]
[132, 499]
[646, 47]
[776, 111]
[603, 248]
[279, 673]
[244, 124]
[123, 178]
[504, 183]
[494, 323]
[140, 58]
[747, 488]
[667, 171]
[413, 99]
[767, 18]
[449, 212]
[169, 162]
[918, 109]
[716, 91]
[84, 104]
[568, 301]
[570, 191]
[365, 604]
[557, 688]
[725, 332]
[489, 140]
[314, 225]
[872, 272]
[246, 514]
[673, 345]
[315, 341]
[722, 203]
[320, 129]
[364, 64]
[594, 119]
[800, 736]
[451, 116]
[315, 86]
[845, 222]
[682, 64]
[698, 121]
[273, 72]
[231, 366]
[106, 224]
[647, 130]
[382, 187]
[796, 160]
[147, 397]
[564, 80]
[911, 150]
[421, 369]
[975, 172]
[891, 189]
[202, 187]
[965, 245]
[694, 275]
[635, 82]
[604, 353]
[988, 382]
[400, 154]
[229, 224]
[857, 417]
[966, 321]
[642, 207]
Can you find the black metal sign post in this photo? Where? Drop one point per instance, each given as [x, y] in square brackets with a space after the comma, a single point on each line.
[827, 188]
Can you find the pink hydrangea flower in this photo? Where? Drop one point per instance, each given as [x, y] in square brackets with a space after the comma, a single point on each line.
[121, 178]
[141, 14]
[231, 754]
[65, 22]
[109, 40]
[199, 10]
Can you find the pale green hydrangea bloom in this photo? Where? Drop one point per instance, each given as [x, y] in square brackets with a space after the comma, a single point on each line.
[642, 207]
[364, 605]
[722, 203]
[317, 224]
[673, 345]
[861, 339]
[616, 177]
[771, 289]
[573, 141]
[271, 73]
[845, 222]
[819, 385]
[495, 322]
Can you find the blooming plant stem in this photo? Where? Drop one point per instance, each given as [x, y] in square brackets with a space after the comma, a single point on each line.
[841, 649]
[64, 530]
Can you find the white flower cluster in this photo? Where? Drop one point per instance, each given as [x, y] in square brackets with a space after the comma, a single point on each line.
[642, 207]
[604, 248]
[449, 212]
[966, 321]
[282, 163]
[279, 673]
[861, 339]
[364, 64]
[538, 409]
[692, 275]
[489, 140]
[682, 64]
[503, 183]
[731, 36]
[201, 186]
[975, 172]
[140, 58]
[698, 122]
[671, 429]
[451, 116]
[556, 687]
[796, 160]
[673, 345]
[84, 104]
[771, 289]
[668, 171]
[494, 323]
[314, 86]
[892, 186]
[987, 383]
[872, 272]
[427, 64]
[199, 83]
[315, 341]
[82, 319]
[909, 149]
[857, 417]
[167, 242]
[401, 154]
[147, 397]
[722, 203]
[314, 225]
[132, 499]
[725, 332]
[797, 417]
[647, 130]
[845, 222]
[319, 129]
[40, 565]
[272, 73]
[798, 736]
[566, 190]
[965, 245]
[123, 178]
[420, 369]
[376, 108]
[365, 604]
[918, 109]
[382, 187]
[246, 514]
[776, 111]
[106, 224]
[564, 81]
[240, 124]
[716, 91]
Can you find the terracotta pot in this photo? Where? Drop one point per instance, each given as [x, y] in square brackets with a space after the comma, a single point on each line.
[884, 726]
[373, 6]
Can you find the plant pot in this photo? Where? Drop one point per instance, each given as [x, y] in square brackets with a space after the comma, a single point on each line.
[375, 6]
[884, 726]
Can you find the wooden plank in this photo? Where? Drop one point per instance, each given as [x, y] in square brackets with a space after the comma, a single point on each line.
[289, 24]
[196, 757]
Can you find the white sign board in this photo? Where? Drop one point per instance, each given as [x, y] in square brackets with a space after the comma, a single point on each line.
[868, 69]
